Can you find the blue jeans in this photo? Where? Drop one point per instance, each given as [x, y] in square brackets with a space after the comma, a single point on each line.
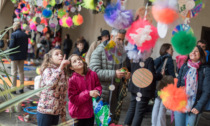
[185, 119]
[46, 119]
[159, 113]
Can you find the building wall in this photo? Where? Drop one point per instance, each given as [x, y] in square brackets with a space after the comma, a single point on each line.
[6, 15]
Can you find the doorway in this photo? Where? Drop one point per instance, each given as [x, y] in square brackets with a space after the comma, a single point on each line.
[205, 35]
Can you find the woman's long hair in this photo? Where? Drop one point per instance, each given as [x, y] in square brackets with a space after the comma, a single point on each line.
[70, 72]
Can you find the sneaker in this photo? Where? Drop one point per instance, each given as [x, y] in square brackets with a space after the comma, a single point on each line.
[37, 61]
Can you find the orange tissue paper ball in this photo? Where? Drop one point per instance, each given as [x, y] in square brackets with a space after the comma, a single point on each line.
[174, 98]
[164, 15]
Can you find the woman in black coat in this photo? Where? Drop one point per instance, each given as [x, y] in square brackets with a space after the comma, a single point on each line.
[67, 45]
[194, 76]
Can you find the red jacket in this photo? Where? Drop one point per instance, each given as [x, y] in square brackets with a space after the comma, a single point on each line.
[80, 102]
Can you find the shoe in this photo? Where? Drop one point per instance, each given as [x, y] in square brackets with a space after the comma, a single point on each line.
[13, 92]
[21, 91]
[37, 61]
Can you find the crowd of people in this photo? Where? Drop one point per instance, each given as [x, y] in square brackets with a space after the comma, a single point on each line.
[84, 77]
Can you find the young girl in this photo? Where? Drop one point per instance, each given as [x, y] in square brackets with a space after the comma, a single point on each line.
[83, 85]
[52, 100]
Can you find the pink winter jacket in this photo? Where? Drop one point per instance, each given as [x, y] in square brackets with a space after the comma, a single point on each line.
[80, 102]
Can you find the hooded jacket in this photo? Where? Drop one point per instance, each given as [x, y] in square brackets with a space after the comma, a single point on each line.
[80, 102]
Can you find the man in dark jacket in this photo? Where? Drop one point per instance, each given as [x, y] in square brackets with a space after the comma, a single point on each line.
[18, 39]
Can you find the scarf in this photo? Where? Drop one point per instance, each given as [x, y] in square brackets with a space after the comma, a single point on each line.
[191, 83]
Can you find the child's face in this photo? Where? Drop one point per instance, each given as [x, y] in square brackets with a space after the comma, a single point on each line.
[80, 46]
[57, 57]
[76, 63]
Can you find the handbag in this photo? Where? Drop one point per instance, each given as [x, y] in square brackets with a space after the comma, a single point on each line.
[167, 79]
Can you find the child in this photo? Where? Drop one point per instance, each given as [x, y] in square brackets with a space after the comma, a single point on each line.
[52, 100]
[83, 85]
[57, 45]
[80, 48]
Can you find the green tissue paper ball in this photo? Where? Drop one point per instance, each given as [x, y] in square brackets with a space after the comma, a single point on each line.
[183, 42]
[122, 70]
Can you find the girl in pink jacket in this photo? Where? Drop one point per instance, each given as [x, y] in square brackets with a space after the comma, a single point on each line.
[83, 85]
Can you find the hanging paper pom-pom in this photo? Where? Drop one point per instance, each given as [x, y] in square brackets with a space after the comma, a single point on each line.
[132, 52]
[143, 34]
[33, 26]
[17, 11]
[89, 4]
[30, 41]
[52, 3]
[164, 15]
[61, 13]
[183, 42]
[66, 22]
[45, 3]
[47, 13]
[116, 17]
[77, 19]
[13, 1]
[25, 10]
[45, 30]
[23, 26]
[174, 98]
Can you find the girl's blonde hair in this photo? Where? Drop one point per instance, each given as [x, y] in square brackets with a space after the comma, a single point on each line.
[47, 62]
[70, 72]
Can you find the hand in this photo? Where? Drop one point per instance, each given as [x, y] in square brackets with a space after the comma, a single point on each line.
[64, 63]
[163, 72]
[120, 74]
[63, 120]
[195, 111]
[94, 93]
[128, 75]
